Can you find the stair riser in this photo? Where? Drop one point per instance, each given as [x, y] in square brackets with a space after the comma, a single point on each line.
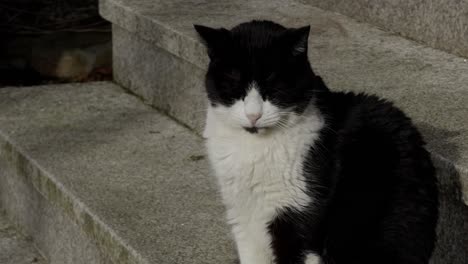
[58, 238]
[436, 23]
[161, 79]
[58, 225]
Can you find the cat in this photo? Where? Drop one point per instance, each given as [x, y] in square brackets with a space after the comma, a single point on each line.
[308, 175]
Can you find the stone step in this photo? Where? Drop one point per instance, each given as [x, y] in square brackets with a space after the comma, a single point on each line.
[437, 23]
[94, 176]
[16, 248]
[158, 56]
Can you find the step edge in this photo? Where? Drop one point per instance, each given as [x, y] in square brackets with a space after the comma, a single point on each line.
[108, 241]
[444, 163]
[183, 49]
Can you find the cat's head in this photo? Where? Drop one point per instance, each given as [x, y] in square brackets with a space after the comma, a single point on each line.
[259, 77]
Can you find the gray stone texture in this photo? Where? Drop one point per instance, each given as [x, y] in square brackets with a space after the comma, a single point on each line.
[440, 24]
[173, 85]
[46, 223]
[158, 56]
[130, 180]
[16, 248]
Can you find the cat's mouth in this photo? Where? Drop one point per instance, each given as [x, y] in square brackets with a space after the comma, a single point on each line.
[255, 129]
[251, 130]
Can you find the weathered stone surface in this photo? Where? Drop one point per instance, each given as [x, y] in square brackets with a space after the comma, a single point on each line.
[162, 79]
[437, 23]
[133, 181]
[16, 248]
[58, 237]
[158, 56]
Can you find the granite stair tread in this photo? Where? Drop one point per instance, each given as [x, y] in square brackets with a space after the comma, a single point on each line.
[135, 181]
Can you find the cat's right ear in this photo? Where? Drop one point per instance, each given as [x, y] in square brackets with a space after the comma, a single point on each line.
[213, 38]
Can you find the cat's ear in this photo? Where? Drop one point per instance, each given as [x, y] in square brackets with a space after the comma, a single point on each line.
[213, 38]
[297, 40]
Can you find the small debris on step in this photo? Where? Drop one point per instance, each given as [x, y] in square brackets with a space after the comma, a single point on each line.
[197, 157]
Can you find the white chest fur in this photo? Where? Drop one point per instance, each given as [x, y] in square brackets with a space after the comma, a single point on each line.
[259, 175]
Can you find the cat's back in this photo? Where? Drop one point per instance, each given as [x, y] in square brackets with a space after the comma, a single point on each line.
[367, 142]
[371, 122]
[369, 135]
[382, 177]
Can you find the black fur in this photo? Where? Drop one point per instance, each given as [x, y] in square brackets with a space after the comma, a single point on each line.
[264, 52]
[373, 183]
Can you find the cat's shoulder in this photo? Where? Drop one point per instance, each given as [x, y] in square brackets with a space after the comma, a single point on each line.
[360, 100]
[365, 105]
[368, 111]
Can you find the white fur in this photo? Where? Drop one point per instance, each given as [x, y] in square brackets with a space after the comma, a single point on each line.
[259, 174]
[312, 258]
[253, 103]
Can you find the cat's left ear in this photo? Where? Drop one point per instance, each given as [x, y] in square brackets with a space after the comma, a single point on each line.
[297, 39]
[215, 39]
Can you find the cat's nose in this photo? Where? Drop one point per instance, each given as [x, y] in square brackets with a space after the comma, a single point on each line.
[254, 117]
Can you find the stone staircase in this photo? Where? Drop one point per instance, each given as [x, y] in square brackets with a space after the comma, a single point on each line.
[116, 173]
[96, 176]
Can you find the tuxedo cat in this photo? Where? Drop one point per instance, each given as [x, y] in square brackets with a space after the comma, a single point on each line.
[308, 175]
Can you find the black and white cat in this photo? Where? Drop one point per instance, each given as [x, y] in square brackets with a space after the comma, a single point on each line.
[309, 175]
